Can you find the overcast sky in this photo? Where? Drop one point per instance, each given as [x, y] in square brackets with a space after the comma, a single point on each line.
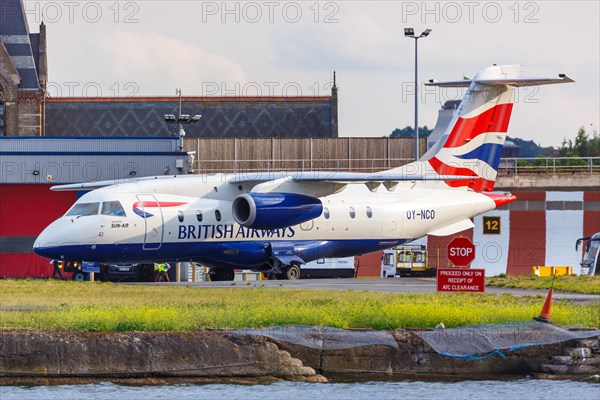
[289, 48]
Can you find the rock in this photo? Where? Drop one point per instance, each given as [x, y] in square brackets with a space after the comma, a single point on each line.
[207, 354]
[562, 360]
[593, 344]
[595, 360]
[580, 352]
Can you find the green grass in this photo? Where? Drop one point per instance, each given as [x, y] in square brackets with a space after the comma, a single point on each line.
[108, 307]
[575, 284]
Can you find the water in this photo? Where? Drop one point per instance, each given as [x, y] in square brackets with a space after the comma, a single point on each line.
[495, 390]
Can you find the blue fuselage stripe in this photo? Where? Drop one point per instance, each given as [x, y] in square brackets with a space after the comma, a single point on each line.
[249, 254]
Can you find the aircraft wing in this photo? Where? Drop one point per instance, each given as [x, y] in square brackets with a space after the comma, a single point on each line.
[341, 177]
[100, 184]
[322, 183]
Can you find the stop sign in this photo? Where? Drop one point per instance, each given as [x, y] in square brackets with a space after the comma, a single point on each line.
[461, 251]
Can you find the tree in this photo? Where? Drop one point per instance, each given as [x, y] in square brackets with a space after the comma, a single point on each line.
[584, 146]
[410, 132]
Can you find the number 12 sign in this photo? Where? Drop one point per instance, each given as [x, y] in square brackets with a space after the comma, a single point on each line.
[491, 225]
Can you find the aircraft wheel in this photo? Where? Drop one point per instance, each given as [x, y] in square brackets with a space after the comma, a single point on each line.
[223, 274]
[228, 275]
[292, 272]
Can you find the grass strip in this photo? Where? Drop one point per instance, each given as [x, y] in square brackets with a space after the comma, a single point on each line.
[574, 284]
[101, 307]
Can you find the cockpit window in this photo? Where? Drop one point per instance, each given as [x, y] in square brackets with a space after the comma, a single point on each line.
[83, 209]
[113, 208]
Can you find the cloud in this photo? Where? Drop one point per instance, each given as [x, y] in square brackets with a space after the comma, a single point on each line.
[162, 63]
[358, 44]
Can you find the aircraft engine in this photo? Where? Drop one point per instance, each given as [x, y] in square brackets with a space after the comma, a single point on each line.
[274, 210]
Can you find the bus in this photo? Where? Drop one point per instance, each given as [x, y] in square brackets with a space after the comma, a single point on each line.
[589, 260]
[328, 268]
[409, 260]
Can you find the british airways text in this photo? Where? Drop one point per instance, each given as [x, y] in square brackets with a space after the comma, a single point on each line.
[229, 231]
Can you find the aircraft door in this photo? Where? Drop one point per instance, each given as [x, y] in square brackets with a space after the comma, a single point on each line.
[153, 221]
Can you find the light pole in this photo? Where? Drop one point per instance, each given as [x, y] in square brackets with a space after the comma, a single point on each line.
[410, 33]
[181, 120]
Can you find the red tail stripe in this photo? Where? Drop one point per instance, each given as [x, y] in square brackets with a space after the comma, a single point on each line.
[495, 119]
[445, 169]
[477, 183]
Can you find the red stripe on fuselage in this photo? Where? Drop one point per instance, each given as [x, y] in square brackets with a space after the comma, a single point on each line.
[495, 119]
[147, 204]
[501, 199]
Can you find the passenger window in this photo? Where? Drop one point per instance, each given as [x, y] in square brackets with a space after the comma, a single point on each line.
[113, 208]
[180, 215]
[352, 212]
[83, 209]
[199, 215]
[369, 212]
[326, 213]
[217, 215]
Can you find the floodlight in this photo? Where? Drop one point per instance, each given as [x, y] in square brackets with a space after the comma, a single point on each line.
[409, 32]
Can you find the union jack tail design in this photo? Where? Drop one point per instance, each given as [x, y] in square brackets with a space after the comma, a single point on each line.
[472, 142]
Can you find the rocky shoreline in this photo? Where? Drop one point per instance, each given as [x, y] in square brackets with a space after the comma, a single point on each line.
[210, 356]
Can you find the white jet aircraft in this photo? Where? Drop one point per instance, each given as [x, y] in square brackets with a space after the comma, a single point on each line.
[278, 221]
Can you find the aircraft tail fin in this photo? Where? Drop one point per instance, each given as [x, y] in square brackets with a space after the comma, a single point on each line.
[472, 142]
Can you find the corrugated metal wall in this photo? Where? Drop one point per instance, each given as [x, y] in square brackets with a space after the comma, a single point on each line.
[85, 144]
[25, 210]
[68, 160]
[356, 154]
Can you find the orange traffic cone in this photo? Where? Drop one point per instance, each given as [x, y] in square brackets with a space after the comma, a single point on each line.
[545, 314]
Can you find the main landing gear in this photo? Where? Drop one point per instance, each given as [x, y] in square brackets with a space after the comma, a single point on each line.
[221, 274]
[275, 270]
[280, 271]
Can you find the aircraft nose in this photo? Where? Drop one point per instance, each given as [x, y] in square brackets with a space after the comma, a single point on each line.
[46, 245]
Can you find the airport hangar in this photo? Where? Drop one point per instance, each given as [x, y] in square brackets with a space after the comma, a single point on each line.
[46, 141]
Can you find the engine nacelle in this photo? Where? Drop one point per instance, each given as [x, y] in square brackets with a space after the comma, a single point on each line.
[275, 210]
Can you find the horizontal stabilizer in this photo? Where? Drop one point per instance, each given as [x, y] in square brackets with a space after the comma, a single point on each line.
[503, 81]
[453, 228]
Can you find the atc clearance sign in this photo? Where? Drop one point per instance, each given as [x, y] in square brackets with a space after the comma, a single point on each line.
[460, 280]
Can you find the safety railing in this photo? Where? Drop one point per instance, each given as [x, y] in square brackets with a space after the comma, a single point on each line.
[507, 166]
[549, 165]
